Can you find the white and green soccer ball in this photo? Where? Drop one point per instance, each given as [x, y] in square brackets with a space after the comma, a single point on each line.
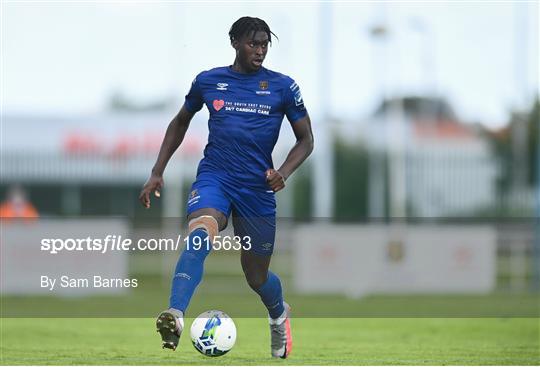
[213, 333]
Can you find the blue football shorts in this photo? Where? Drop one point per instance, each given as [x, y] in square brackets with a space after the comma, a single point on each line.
[253, 210]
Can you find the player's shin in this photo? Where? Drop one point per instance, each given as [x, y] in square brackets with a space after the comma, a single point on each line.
[189, 269]
[272, 295]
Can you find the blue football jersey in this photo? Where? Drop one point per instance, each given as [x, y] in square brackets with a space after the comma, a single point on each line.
[246, 112]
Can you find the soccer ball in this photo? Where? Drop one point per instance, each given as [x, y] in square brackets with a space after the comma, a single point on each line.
[213, 333]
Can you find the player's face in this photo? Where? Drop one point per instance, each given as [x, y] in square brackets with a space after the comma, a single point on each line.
[251, 50]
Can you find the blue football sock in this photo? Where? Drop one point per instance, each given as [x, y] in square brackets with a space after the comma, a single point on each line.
[272, 295]
[189, 269]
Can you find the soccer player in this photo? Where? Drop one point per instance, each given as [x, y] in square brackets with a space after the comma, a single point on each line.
[247, 103]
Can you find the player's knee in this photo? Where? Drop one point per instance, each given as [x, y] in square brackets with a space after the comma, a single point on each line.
[205, 222]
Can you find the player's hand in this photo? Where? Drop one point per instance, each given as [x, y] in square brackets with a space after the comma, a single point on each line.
[153, 184]
[275, 179]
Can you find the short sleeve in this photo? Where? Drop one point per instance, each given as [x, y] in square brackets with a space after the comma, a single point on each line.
[194, 99]
[294, 104]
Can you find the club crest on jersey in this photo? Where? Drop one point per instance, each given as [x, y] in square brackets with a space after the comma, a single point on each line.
[193, 197]
[263, 86]
[222, 86]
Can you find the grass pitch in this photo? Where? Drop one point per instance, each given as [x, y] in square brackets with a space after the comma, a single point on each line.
[317, 341]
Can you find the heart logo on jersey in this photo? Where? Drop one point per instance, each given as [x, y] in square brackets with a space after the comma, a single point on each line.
[218, 104]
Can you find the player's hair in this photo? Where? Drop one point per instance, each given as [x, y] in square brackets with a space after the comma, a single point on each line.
[246, 25]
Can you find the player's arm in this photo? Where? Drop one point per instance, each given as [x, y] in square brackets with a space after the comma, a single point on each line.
[298, 154]
[172, 140]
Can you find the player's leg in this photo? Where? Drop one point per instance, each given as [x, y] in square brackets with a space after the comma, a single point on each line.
[204, 224]
[254, 221]
[206, 217]
[268, 286]
[264, 282]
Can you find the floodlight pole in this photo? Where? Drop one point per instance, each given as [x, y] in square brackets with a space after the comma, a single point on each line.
[519, 133]
[395, 131]
[323, 186]
[519, 128]
[376, 188]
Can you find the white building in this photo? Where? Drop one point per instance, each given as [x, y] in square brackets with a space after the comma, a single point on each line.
[447, 167]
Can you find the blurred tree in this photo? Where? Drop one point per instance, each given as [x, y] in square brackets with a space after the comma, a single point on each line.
[351, 184]
[421, 108]
[502, 149]
[533, 124]
[302, 189]
[501, 142]
[118, 101]
[351, 181]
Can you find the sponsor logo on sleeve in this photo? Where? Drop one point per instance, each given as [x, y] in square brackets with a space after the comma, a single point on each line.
[298, 100]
